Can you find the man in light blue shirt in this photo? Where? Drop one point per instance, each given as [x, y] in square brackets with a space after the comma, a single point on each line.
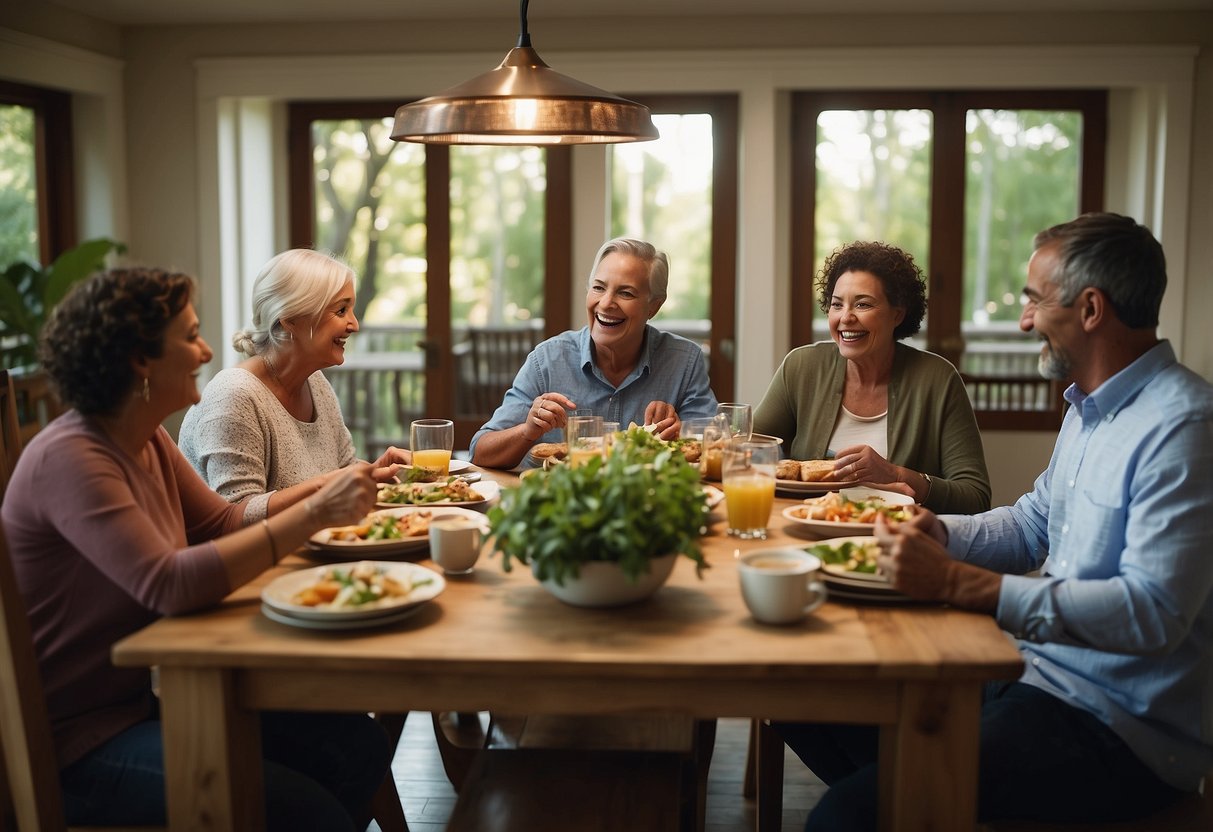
[1113, 715]
[617, 367]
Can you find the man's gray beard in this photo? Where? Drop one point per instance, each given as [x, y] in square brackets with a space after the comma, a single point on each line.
[1053, 365]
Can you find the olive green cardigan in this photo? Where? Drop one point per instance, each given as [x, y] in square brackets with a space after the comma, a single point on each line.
[931, 424]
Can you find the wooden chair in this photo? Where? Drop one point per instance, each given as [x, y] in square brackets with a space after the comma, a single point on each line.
[594, 762]
[763, 778]
[30, 797]
[10, 435]
[37, 403]
[496, 354]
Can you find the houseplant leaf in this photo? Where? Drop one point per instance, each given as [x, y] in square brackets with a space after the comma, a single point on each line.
[76, 264]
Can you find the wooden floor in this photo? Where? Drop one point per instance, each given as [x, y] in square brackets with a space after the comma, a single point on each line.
[428, 797]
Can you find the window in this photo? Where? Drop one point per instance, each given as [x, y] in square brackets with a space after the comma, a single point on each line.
[962, 181]
[37, 212]
[680, 193]
[462, 255]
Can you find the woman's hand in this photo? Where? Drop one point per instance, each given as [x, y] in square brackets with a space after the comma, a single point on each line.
[548, 412]
[384, 469]
[347, 497]
[861, 463]
[665, 419]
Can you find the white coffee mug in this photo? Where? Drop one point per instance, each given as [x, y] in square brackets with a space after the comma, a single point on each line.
[780, 586]
[454, 544]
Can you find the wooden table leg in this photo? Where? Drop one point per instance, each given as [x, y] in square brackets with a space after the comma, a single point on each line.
[212, 753]
[928, 759]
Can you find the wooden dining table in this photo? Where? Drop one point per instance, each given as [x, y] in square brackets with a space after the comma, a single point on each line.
[499, 641]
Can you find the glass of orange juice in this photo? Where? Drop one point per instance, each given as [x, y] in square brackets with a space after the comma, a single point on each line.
[432, 441]
[585, 439]
[749, 486]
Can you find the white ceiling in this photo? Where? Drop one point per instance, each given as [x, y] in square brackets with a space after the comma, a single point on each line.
[138, 12]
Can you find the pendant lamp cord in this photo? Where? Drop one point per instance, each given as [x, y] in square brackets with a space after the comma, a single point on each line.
[524, 37]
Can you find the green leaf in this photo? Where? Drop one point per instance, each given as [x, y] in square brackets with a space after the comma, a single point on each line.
[74, 265]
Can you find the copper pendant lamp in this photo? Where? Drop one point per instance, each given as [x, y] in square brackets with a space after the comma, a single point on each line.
[523, 101]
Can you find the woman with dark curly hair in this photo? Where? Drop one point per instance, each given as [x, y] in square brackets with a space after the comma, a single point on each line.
[109, 528]
[886, 413]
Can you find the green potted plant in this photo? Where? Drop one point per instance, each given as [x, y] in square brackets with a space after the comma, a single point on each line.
[607, 532]
[29, 292]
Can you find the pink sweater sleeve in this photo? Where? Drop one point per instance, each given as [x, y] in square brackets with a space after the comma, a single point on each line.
[145, 524]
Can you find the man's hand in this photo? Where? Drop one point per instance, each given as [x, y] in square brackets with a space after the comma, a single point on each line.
[548, 412]
[665, 418]
[913, 557]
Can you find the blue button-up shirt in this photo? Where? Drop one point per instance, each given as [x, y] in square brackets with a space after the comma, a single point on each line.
[671, 369]
[1120, 623]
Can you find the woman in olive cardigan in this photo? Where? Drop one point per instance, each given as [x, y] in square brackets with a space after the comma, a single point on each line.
[887, 413]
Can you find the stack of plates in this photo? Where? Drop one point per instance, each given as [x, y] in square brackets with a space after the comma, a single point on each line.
[277, 604]
[859, 586]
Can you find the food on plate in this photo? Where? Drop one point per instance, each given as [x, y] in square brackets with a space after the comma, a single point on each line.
[454, 490]
[817, 470]
[835, 508]
[811, 470]
[853, 556]
[550, 450]
[359, 585]
[787, 469]
[384, 527]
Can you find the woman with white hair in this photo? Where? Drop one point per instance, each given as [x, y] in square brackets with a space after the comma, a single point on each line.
[618, 366]
[269, 430]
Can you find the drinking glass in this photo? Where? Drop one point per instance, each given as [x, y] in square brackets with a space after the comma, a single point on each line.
[738, 417]
[609, 429]
[585, 439]
[749, 486]
[432, 441]
[693, 429]
[715, 438]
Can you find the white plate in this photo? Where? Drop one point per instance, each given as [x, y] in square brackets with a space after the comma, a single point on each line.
[488, 489]
[833, 528]
[798, 487]
[714, 495]
[279, 592]
[360, 549]
[353, 624]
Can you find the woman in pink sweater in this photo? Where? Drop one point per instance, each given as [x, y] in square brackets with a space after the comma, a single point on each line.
[109, 528]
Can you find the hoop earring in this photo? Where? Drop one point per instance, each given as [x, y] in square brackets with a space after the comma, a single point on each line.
[147, 393]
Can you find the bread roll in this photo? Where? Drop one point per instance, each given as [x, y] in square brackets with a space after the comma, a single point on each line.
[817, 470]
[787, 469]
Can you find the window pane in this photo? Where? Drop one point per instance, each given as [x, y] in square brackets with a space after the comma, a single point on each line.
[370, 209]
[661, 191]
[873, 183]
[18, 186]
[497, 267]
[874, 179]
[1021, 175]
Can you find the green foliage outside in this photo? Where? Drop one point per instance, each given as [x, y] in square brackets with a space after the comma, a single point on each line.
[661, 191]
[18, 186]
[370, 208]
[1021, 175]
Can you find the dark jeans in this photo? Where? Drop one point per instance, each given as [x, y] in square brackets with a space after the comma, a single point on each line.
[1040, 759]
[320, 772]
